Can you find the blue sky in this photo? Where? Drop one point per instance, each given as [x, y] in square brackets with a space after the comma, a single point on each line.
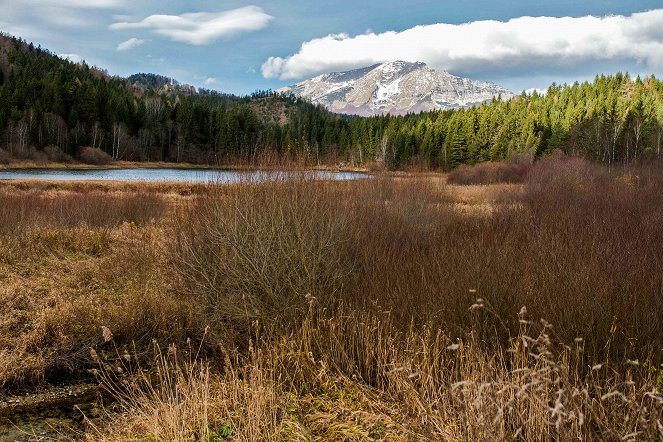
[241, 46]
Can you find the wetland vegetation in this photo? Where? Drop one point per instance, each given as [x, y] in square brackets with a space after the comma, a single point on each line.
[396, 308]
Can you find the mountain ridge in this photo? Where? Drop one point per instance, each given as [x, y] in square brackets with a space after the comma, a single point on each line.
[396, 87]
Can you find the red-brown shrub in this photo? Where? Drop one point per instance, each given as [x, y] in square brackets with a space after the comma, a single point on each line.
[56, 155]
[490, 173]
[95, 156]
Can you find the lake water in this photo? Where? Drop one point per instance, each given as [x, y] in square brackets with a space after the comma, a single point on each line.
[168, 175]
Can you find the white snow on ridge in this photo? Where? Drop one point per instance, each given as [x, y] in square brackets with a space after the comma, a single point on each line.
[386, 91]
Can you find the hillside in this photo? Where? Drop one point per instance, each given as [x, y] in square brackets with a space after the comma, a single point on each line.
[48, 101]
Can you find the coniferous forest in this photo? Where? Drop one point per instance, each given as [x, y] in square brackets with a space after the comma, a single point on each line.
[51, 108]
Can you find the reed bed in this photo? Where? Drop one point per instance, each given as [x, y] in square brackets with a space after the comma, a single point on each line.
[382, 309]
[359, 376]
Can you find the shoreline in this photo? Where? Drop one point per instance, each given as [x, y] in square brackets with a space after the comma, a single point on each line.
[31, 165]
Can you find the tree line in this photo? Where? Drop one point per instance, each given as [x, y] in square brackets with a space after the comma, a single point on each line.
[52, 106]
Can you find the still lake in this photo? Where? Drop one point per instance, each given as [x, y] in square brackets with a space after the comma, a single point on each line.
[169, 175]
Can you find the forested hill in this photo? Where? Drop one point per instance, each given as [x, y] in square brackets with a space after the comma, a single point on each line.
[50, 107]
[152, 81]
[46, 101]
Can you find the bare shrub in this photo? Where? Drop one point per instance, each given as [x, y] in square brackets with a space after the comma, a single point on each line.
[490, 173]
[258, 251]
[578, 246]
[54, 154]
[95, 156]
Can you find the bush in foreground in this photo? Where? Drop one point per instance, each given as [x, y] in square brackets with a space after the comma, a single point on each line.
[258, 251]
[572, 248]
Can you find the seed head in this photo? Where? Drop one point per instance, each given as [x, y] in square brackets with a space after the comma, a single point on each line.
[106, 333]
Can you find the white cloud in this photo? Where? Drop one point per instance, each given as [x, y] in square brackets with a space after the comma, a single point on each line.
[100, 4]
[87, 4]
[130, 44]
[40, 15]
[74, 58]
[201, 28]
[524, 43]
[206, 80]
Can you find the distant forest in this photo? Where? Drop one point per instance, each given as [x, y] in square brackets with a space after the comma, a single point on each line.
[51, 108]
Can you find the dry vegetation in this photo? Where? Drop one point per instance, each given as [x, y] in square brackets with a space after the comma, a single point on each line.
[384, 309]
[491, 172]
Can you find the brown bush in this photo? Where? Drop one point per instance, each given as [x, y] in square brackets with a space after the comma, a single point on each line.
[95, 156]
[5, 157]
[490, 173]
[260, 251]
[579, 248]
[56, 155]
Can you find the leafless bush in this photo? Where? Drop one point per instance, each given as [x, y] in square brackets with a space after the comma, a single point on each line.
[578, 246]
[56, 155]
[258, 251]
[490, 173]
[95, 156]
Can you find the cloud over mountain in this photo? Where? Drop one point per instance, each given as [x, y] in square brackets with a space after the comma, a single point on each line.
[534, 44]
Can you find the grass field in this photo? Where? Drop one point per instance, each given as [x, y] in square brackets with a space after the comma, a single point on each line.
[395, 308]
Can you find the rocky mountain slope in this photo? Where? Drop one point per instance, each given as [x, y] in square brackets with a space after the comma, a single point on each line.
[396, 87]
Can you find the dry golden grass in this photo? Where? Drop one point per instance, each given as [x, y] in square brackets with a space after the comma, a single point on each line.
[70, 263]
[491, 172]
[358, 377]
[347, 310]
[179, 189]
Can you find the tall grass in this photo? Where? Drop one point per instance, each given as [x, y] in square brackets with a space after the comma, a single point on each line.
[358, 376]
[491, 173]
[70, 263]
[22, 210]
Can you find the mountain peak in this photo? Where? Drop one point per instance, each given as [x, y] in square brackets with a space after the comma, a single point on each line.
[399, 64]
[395, 87]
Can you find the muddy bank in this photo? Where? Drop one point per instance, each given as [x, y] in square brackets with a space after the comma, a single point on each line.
[57, 413]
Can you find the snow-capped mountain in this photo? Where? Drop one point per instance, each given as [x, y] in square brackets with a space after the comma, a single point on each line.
[396, 87]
